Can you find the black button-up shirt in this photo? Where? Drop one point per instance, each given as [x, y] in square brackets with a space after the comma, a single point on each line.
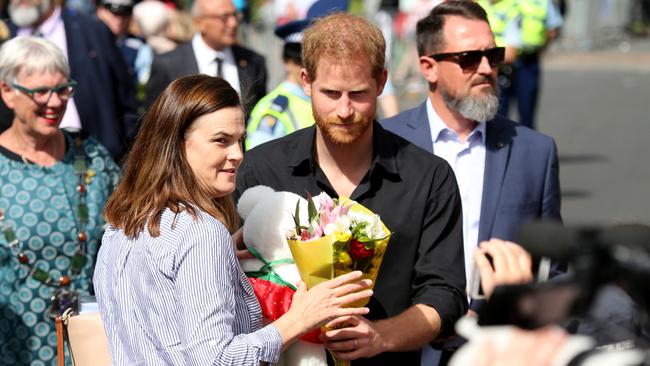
[416, 195]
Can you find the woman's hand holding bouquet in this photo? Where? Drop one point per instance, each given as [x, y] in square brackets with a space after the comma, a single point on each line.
[323, 303]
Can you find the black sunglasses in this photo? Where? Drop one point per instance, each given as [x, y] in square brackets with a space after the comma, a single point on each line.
[470, 60]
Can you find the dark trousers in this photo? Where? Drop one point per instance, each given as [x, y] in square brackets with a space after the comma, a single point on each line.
[523, 85]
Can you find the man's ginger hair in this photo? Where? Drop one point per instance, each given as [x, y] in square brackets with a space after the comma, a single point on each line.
[344, 37]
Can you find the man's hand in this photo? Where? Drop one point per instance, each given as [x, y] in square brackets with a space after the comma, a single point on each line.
[511, 264]
[407, 331]
[358, 339]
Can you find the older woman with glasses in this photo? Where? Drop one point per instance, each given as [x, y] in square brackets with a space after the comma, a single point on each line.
[53, 186]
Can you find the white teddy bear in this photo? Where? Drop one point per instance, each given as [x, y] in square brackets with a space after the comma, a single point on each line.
[268, 215]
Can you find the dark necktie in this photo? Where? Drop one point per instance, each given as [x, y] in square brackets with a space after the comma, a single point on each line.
[37, 33]
[219, 61]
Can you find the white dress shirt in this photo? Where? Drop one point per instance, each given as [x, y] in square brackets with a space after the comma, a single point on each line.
[467, 159]
[206, 59]
[53, 30]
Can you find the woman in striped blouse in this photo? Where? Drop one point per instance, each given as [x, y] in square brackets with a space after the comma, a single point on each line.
[169, 286]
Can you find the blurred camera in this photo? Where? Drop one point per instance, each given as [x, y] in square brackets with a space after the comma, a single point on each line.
[597, 255]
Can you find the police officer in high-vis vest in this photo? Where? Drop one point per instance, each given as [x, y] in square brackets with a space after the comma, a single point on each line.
[287, 108]
[535, 24]
[540, 23]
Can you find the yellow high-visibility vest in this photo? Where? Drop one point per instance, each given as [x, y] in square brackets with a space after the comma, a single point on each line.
[500, 14]
[533, 23]
[280, 106]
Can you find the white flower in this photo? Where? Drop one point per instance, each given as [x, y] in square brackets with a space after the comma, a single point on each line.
[342, 225]
[359, 218]
[368, 223]
[375, 230]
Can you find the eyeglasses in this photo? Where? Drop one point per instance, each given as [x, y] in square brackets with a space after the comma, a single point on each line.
[225, 16]
[470, 60]
[42, 95]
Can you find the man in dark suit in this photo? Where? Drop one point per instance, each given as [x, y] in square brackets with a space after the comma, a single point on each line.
[212, 51]
[520, 165]
[507, 173]
[104, 102]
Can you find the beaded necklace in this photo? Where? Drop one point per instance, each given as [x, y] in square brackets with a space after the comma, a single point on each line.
[63, 297]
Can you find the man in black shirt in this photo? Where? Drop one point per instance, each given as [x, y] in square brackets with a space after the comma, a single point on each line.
[419, 293]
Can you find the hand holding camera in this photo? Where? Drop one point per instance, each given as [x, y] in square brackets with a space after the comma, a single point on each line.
[499, 262]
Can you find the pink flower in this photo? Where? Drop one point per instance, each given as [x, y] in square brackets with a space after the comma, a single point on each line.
[330, 214]
[346, 208]
[326, 202]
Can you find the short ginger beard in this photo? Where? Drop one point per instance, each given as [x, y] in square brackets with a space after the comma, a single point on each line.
[27, 16]
[339, 136]
[479, 108]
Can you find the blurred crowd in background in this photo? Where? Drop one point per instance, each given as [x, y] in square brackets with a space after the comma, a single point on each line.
[149, 27]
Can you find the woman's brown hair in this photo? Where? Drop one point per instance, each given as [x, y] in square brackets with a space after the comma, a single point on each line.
[156, 174]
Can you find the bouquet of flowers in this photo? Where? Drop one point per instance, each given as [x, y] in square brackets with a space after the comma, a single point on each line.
[341, 236]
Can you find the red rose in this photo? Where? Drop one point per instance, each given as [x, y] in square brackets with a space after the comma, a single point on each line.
[359, 251]
[304, 235]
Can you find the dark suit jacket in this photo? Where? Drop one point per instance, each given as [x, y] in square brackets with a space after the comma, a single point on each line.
[181, 61]
[521, 179]
[104, 97]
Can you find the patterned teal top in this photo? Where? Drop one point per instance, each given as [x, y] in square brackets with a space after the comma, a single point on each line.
[39, 204]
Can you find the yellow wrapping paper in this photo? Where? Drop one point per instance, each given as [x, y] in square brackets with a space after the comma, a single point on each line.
[314, 259]
[318, 261]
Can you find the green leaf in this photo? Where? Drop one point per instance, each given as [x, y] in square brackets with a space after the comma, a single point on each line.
[313, 224]
[311, 209]
[363, 238]
[296, 218]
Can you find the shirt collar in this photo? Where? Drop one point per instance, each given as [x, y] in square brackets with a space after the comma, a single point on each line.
[386, 149]
[205, 54]
[304, 150]
[438, 126]
[384, 154]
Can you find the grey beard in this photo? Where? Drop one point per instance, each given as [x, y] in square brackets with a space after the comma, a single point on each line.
[480, 109]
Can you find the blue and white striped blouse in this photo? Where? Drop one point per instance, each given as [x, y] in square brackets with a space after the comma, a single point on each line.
[180, 298]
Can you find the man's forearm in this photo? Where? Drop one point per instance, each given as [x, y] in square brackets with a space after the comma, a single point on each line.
[418, 325]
